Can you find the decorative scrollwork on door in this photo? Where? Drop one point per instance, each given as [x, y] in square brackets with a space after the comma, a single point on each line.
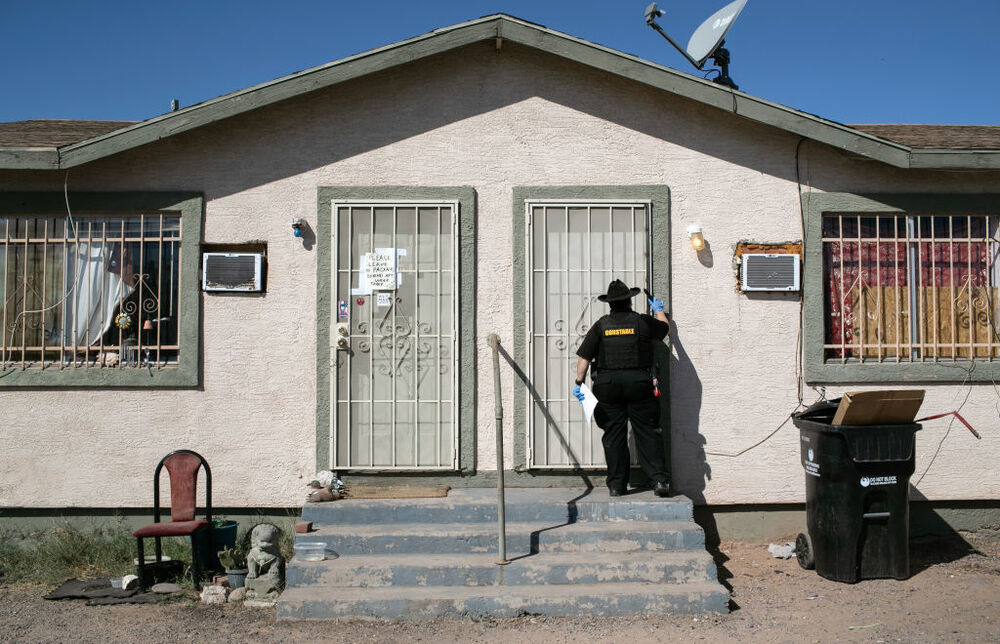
[575, 334]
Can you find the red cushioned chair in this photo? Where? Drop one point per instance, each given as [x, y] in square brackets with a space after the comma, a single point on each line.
[182, 466]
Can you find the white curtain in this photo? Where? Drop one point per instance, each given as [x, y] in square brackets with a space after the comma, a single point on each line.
[95, 287]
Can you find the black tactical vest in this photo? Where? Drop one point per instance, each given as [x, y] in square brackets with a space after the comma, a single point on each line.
[624, 343]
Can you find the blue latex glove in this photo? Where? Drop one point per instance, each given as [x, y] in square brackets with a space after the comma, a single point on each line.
[655, 305]
[579, 394]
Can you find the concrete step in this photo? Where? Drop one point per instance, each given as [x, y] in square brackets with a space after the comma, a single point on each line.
[373, 571]
[522, 538]
[474, 505]
[431, 602]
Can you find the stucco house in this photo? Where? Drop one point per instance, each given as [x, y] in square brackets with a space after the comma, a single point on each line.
[489, 177]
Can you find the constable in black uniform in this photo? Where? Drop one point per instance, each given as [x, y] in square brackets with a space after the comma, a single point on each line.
[620, 345]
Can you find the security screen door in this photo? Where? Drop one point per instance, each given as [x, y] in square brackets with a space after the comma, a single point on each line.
[393, 336]
[574, 250]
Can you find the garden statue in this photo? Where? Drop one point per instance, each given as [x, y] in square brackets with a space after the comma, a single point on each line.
[266, 567]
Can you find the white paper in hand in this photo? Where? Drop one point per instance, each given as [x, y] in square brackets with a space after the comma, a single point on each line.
[589, 402]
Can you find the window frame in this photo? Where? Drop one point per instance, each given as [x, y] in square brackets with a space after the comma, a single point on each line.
[817, 370]
[189, 206]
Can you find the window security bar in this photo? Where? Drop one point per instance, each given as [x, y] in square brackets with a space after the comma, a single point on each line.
[92, 291]
[910, 288]
[394, 384]
[574, 249]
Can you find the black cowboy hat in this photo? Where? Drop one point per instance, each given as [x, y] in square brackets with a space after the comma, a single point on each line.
[618, 291]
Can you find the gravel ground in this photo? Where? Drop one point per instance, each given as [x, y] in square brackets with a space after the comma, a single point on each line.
[951, 596]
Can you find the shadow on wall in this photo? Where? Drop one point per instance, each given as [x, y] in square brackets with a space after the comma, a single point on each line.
[705, 256]
[690, 471]
[679, 423]
[537, 400]
[681, 406]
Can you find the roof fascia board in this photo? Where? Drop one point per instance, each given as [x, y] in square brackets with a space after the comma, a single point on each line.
[528, 34]
[828, 132]
[278, 90]
[707, 92]
[955, 159]
[29, 159]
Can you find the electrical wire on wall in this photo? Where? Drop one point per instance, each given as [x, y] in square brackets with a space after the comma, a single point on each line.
[799, 379]
[821, 391]
[991, 263]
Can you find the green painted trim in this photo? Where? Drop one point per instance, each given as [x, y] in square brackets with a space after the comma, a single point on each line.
[29, 158]
[706, 92]
[955, 159]
[190, 207]
[264, 94]
[818, 372]
[521, 32]
[659, 198]
[466, 359]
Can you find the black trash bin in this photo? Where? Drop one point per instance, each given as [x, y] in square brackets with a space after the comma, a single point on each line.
[857, 496]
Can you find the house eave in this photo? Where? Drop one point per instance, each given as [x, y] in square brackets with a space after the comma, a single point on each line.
[502, 27]
[955, 159]
[271, 92]
[12, 158]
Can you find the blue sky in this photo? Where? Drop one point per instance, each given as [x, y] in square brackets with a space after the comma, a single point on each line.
[852, 61]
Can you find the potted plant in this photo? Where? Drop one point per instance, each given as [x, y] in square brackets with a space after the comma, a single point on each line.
[220, 535]
[235, 563]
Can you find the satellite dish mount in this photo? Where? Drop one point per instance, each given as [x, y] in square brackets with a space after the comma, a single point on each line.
[707, 40]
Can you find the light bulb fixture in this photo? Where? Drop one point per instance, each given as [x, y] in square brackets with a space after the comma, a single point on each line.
[297, 227]
[696, 237]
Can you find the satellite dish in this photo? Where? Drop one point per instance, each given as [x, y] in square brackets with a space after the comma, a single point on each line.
[707, 40]
[711, 34]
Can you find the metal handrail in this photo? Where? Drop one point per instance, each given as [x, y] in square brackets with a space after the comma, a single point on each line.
[494, 341]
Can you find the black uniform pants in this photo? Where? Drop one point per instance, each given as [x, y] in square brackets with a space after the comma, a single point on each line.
[627, 396]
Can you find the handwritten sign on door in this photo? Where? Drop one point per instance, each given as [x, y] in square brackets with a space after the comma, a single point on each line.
[381, 269]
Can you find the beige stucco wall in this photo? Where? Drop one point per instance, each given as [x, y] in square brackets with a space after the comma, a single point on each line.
[492, 121]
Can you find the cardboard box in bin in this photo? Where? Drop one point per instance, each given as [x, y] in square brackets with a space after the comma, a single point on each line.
[892, 407]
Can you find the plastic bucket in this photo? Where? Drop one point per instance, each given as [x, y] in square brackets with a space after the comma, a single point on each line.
[237, 578]
[211, 541]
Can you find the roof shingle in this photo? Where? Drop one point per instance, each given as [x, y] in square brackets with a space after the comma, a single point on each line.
[936, 137]
[53, 133]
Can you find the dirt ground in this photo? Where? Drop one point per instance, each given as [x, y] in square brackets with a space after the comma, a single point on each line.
[953, 595]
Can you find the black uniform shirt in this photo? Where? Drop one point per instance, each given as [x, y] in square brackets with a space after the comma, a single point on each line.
[657, 330]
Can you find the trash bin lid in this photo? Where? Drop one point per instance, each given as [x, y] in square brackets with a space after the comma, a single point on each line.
[865, 443]
[820, 411]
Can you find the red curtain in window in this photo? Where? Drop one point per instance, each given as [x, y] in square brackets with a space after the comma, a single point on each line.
[953, 264]
[853, 266]
[850, 267]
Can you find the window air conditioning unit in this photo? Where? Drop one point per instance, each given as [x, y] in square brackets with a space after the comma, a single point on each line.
[770, 272]
[241, 272]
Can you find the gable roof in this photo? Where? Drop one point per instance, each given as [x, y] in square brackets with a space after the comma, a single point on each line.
[866, 142]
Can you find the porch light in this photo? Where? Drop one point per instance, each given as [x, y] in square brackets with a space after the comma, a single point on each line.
[697, 239]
